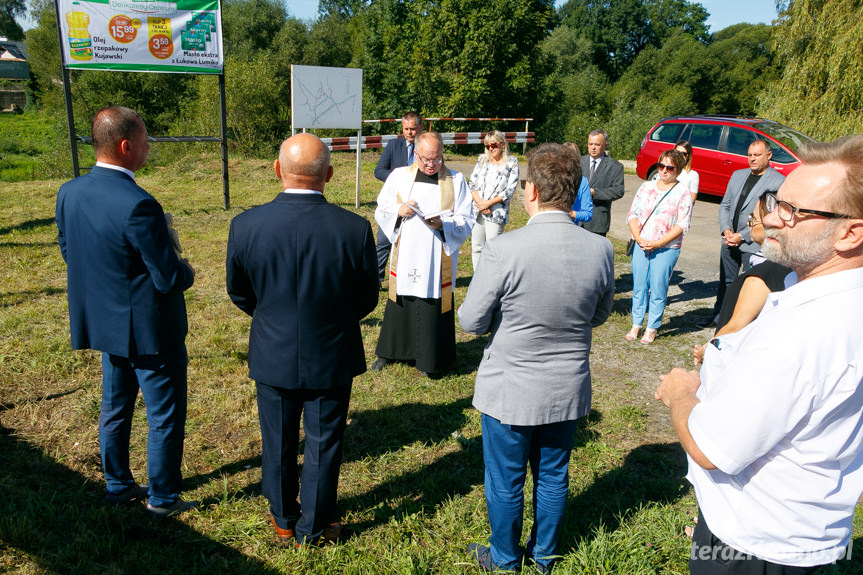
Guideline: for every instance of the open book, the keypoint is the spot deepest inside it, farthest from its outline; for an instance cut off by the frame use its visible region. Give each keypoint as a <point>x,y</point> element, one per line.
<point>429,216</point>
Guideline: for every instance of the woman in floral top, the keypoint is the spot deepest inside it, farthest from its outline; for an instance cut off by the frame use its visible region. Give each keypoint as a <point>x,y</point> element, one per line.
<point>658,219</point>
<point>492,184</point>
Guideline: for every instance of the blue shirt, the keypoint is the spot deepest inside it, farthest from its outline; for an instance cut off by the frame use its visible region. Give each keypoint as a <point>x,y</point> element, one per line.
<point>583,206</point>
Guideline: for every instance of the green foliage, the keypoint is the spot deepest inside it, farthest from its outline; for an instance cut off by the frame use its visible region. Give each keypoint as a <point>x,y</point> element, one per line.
<point>818,43</point>
<point>744,67</point>
<point>258,117</point>
<point>251,25</point>
<point>466,58</point>
<point>577,85</point>
<point>621,29</point>
<point>9,10</point>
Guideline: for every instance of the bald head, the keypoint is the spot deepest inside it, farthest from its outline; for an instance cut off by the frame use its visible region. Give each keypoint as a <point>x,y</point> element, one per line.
<point>304,163</point>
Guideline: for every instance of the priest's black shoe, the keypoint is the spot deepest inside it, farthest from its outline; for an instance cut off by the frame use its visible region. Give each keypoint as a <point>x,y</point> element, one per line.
<point>379,364</point>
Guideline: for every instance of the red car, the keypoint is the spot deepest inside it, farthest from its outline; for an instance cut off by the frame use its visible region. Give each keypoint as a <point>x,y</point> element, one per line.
<point>719,146</point>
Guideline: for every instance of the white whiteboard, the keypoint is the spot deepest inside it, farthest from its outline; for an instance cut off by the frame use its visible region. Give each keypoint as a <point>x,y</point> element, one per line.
<point>323,97</point>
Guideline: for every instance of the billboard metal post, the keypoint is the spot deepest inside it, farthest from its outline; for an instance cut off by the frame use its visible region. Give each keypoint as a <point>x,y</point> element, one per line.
<point>226,193</point>
<point>67,93</point>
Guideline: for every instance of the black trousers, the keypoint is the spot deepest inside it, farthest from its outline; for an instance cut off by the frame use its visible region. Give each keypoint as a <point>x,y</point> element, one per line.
<point>324,412</point>
<point>731,261</point>
<point>710,556</point>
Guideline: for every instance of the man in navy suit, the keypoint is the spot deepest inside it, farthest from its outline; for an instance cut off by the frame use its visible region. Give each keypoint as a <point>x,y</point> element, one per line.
<point>125,290</point>
<point>305,271</point>
<point>397,154</point>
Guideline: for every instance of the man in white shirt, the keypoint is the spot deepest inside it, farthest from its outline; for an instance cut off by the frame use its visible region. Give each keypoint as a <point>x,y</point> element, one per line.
<point>426,211</point>
<point>772,424</point>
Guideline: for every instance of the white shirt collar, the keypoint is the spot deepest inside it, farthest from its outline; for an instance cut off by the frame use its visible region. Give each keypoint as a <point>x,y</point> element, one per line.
<point>545,213</point>
<point>300,191</point>
<point>129,173</point>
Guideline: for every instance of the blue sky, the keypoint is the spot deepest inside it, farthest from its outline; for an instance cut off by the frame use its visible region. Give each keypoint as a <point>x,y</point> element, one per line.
<point>723,13</point>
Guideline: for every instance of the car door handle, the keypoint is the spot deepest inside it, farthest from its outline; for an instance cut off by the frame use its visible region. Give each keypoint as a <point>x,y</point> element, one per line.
<point>727,162</point>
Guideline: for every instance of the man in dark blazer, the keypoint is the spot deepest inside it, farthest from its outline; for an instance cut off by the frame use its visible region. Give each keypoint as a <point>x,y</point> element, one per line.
<point>397,154</point>
<point>605,176</point>
<point>539,290</point>
<point>305,271</point>
<point>744,188</point>
<point>125,290</point>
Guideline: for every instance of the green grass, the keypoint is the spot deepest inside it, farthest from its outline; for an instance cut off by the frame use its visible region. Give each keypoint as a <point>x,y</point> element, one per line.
<point>412,482</point>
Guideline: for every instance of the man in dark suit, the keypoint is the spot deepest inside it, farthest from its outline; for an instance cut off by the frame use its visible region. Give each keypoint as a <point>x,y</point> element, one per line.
<point>744,188</point>
<point>305,271</point>
<point>534,379</point>
<point>397,154</point>
<point>125,290</point>
<point>605,176</point>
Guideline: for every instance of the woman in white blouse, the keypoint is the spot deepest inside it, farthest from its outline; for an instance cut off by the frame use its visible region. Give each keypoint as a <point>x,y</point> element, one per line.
<point>688,177</point>
<point>492,184</point>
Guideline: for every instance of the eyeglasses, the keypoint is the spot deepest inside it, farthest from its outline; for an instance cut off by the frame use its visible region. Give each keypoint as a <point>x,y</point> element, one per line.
<point>492,146</point>
<point>670,168</point>
<point>752,222</point>
<point>787,211</point>
<point>430,161</point>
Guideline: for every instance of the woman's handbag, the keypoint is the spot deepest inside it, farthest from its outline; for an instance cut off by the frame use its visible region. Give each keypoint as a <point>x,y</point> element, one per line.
<point>630,246</point>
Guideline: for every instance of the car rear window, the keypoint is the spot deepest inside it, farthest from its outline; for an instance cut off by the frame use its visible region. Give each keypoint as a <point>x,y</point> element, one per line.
<point>705,136</point>
<point>667,133</point>
<point>738,141</point>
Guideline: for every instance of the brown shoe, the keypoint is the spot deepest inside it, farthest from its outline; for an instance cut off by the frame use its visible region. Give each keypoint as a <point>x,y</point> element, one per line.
<point>284,535</point>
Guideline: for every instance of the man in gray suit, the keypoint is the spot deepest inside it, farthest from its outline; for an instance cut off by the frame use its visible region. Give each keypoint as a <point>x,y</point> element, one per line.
<point>539,290</point>
<point>605,176</point>
<point>741,195</point>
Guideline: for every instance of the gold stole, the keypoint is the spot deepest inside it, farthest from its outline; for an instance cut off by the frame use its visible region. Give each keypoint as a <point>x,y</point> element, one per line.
<point>447,202</point>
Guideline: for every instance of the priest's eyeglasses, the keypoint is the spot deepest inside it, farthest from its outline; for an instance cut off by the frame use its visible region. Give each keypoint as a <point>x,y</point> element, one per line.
<point>430,161</point>
<point>786,211</point>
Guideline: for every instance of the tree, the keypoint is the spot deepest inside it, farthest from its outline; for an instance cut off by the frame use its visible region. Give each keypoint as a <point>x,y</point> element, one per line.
<point>457,57</point>
<point>673,80</point>
<point>576,88</point>
<point>744,68</point>
<point>621,29</point>
<point>250,25</point>
<point>818,43</point>
<point>9,10</point>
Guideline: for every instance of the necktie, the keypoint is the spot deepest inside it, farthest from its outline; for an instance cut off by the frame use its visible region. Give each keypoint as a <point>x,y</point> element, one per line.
<point>592,168</point>
<point>410,154</point>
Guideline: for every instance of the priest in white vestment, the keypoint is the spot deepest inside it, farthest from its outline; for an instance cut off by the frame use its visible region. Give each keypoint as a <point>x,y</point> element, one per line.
<point>426,212</point>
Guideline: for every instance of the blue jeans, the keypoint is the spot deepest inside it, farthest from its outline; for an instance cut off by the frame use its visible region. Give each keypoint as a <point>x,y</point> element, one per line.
<point>507,450</point>
<point>651,272</point>
<point>162,381</point>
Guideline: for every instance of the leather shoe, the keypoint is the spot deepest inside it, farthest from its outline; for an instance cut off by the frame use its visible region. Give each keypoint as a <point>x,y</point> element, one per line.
<point>333,533</point>
<point>132,493</point>
<point>705,323</point>
<point>482,554</point>
<point>379,364</point>
<point>284,535</point>
<point>179,506</point>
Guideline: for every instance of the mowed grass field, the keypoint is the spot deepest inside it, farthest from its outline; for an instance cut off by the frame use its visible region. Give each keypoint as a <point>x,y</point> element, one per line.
<point>411,485</point>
